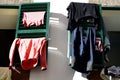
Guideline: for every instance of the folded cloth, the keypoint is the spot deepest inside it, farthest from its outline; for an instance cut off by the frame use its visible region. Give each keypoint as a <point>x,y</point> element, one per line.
<point>5,73</point>
<point>107,77</point>
<point>33,18</point>
<point>113,71</point>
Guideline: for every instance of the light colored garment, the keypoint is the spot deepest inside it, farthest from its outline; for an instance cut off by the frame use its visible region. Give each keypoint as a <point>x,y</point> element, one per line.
<point>29,50</point>
<point>5,73</point>
<point>33,18</point>
<point>106,77</point>
<point>79,76</point>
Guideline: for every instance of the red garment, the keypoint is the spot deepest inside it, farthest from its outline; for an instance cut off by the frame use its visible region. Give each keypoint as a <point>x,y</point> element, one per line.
<point>33,18</point>
<point>98,45</point>
<point>29,50</point>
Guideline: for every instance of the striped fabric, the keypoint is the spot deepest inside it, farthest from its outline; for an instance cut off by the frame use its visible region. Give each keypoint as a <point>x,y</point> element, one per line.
<point>29,50</point>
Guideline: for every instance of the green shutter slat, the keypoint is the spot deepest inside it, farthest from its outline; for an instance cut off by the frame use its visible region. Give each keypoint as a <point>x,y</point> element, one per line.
<point>33,31</point>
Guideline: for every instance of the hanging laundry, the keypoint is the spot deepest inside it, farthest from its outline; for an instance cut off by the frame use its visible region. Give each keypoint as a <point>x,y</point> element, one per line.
<point>78,12</point>
<point>83,49</point>
<point>99,46</point>
<point>33,18</point>
<point>89,38</point>
<point>79,76</point>
<point>29,51</point>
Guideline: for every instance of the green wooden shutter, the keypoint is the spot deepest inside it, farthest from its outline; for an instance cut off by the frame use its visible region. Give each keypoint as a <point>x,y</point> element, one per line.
<point>33,31</point>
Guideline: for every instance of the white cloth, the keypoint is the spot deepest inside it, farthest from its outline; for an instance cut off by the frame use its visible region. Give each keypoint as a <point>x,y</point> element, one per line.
<point>33,18</point>
<point>78,76</point>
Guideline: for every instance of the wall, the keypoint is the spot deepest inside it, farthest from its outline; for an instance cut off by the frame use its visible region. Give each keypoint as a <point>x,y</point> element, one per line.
<point>112,23</point>
<point>110,17</point>
<point>106,2</point>
<point>14,1</point>
<point>58,68</point>
<point>8,18</point>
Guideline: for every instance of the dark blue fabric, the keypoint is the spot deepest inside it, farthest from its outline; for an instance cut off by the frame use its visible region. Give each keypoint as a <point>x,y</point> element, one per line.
<point>83,48</point>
